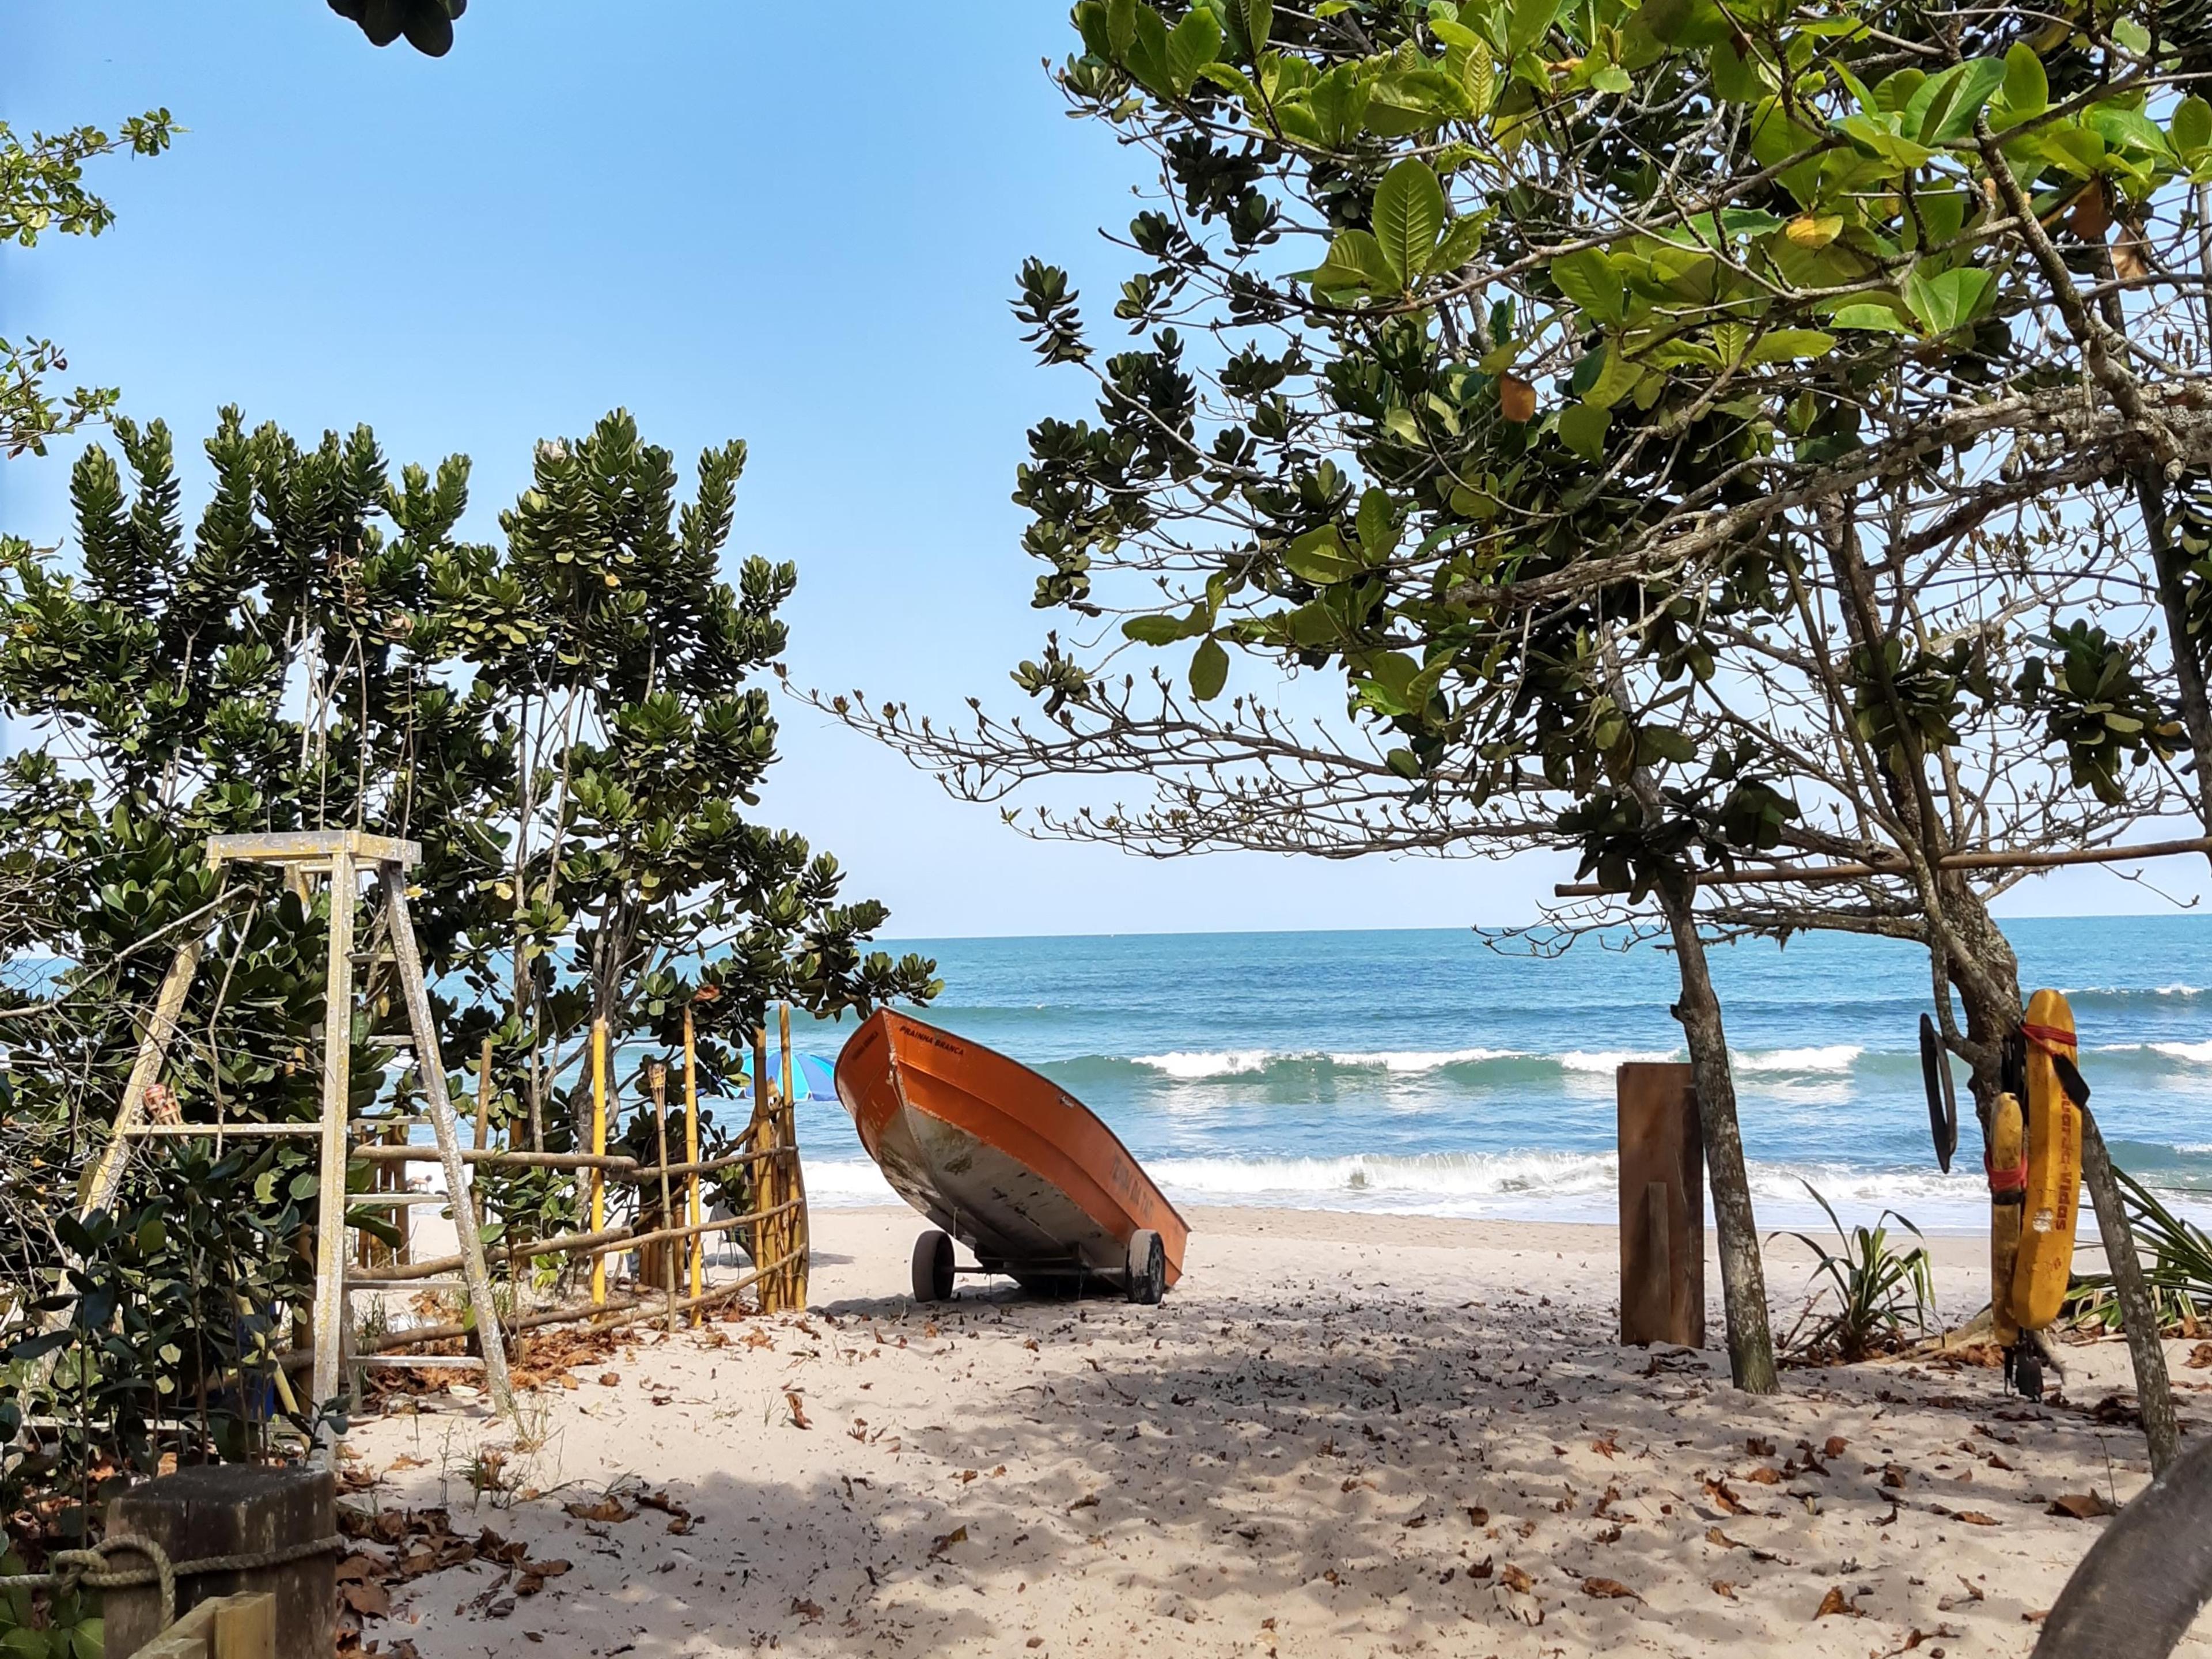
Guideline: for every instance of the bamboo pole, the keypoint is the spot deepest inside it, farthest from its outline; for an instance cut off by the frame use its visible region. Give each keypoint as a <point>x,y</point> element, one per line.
<point>622,1237</point>
<point>483,1120</point>
<point>657,1076</point>
<point>765,1183</point>
<point>698,1248</point>
<point>599,1150</point>
<point>798,1236</point>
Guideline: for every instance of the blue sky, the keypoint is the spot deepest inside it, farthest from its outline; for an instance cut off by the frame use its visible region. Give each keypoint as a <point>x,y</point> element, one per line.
<point>797,225</point>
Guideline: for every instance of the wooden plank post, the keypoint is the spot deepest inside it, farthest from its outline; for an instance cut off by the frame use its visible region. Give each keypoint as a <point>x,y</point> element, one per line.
<point>231,1509</point>
<point>795,1184</point>
<point>657,1079</point>
<point>1662,1206</point>
<point>767,1236</point>
<point>697,1243</point>
<point>106,1181</point>
<point>599,1150</point>
<point>332,1303</point>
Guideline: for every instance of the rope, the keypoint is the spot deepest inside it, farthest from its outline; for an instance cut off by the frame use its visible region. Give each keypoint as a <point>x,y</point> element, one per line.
<point>88,1568</point>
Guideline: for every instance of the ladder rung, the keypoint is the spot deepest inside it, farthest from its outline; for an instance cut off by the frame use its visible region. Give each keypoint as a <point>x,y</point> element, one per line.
<point>180,1129</point>
<point>404,1362</point>
<point>380,1200</point>
<point>360,1282</point>
<point>391,1039</point>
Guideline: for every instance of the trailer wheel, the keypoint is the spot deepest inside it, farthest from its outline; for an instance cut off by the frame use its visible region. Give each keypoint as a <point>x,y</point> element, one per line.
<point>1148,1267</point>
<point>933,1266</point>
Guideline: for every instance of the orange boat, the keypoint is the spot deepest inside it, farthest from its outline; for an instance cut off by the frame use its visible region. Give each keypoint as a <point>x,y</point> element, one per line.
<point>1008,1162</point>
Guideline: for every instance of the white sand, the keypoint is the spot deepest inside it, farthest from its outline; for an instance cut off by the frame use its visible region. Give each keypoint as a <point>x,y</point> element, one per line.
<point>1283,1458</point>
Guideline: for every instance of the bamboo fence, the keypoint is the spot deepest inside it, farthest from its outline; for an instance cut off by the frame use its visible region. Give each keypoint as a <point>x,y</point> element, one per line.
<point>774,1227</point>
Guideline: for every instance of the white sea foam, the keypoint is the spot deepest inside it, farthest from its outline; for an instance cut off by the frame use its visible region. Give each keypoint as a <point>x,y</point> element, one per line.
<point>1421,1060</point>
<point>1607,1060</point>
<point>1188,1066</point>
<point>2196,1053</point>
<point>1837,1057</point>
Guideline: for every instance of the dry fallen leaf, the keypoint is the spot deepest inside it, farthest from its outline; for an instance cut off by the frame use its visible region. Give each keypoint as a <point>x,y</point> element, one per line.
<point>1722,1499</point>
<point>1478,1516</point>
<point>1722,1586</point>
<point>1833,1603</point>
<point>1835,1446</point>
<point>370,1601</point>
<point>1481,1569</point>
<point>1975,1518</point>
<point>1514,1579</point>
<point>1609,1589</point>
<point>608,1379</point>
<point>1758,1447</point>
<point>957,1535</point>
<point>798,1411</point>
<point>1764,1476</point>
<point>2082,1506</point>
<point>809,1611</point>
<point>2200,1356</point>
<point>1608,1445</point>
<point>608,1508</point>
<point>1715,1536</point>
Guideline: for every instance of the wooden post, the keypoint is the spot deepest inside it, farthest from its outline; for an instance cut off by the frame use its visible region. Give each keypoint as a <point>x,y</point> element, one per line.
<point>231,1509</point>
<point>766,1181</point>
<point>1662,1206</point>
<point>332,1303</point>
<point>795,1186</point>
<point>599,1150</point>
<point>153,1047</point>
<point>657,1076</point>
<point>484,1118</point>
<point>697,1241</point>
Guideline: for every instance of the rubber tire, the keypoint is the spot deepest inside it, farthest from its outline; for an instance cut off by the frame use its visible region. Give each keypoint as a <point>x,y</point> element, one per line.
<point>1147,1276</point>
<point>933,1266</point>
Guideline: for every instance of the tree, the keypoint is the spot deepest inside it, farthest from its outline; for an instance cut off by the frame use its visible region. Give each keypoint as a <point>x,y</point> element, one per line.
<point>565,722</point>
<point>428,24</point>
<point>1765,262</point>
<point>41,191</point>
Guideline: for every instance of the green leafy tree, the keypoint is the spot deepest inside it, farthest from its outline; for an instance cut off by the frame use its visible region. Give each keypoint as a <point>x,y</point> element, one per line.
<point>564,722</point>
<point>1576,385</point>
<point>42,192</point>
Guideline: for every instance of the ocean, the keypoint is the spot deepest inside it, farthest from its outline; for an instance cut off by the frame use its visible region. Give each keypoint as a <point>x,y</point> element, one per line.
<point>1427,1073</point>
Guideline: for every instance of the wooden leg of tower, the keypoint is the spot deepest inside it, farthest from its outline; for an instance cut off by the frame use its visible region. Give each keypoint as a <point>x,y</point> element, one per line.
<point>331,1208</point>
<point>431,1066</point>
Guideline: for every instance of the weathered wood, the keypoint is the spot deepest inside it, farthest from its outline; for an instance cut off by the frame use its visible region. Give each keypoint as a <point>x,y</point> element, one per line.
<point>227,1627</point>
<point>1662,1205</point>
<point>697,1246</point>
<point>799,1238</point>
<point>329,1316</point>
<point>430,1068</point>
<point>599,1150</point>
<point>232,1509</point>
<point>317,846</point>
<point>152,1048</point>
<point>659,1078</point>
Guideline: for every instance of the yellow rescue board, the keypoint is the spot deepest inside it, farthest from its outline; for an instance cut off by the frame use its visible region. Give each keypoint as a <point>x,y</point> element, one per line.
<point>2007,1170</point>
<point>2045,1264</point>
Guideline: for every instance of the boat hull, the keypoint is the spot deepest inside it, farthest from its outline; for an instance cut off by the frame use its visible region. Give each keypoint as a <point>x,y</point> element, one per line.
<point>1003,1160</point>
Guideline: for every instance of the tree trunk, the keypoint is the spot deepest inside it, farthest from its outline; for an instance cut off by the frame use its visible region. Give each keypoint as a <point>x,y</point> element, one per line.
<point>2138,1318</point>
<point>1743,1274</point>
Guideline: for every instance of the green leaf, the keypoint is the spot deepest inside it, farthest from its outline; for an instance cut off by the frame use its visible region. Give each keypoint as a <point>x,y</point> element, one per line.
<point>1409,215</point>
<point>1736,80</point>
<point>1583,429</point>
<point>1258,24</point>
<point>1463,240</point>
<point>1378,525</point>
<point>1863,315</point>
<point>1613,79</point>
<point>1319,557</point>
<point>2191,127</point>
<point>1531,20</point>
<point>1209,669</point>
<point>1972,84</point>
<point>2027,88</point>
<point>1616,380</point>
<point>1686,22</point>
<point>1356,260</point>
<point>1588,278</point>
<point>1159,631</point>
<point>1782,344</point>
<point>1948,301</point>
<point>1195,42</point>
<point>1403,763</point>
<point>1658,742</point>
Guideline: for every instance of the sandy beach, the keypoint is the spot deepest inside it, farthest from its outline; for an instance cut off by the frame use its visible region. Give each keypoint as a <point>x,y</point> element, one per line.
<point>1341,1434</point>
